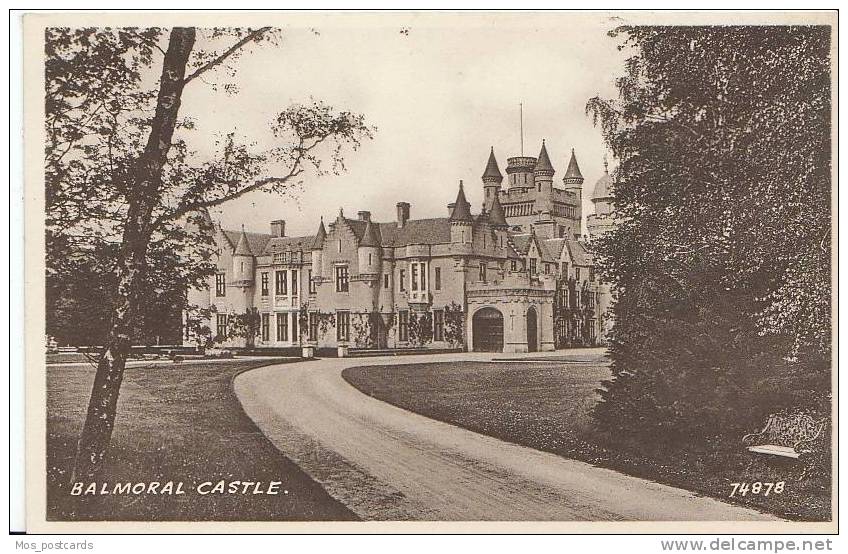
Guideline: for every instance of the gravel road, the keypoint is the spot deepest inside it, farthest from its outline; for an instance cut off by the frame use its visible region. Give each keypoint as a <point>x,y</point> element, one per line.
<point>386,463</point>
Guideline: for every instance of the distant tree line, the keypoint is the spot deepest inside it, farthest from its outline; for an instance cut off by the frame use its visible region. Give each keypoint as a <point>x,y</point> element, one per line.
<point>721,259</point>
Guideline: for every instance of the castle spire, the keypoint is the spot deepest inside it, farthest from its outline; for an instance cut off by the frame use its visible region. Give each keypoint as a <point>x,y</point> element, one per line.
<point>543,162</point>
<point>369,237</point>
<point>572,174</point>
<point>318,243</point>
<point>492,174</point>
<point>461,208</point>
<point>243,246</point>
<point>496,214</point>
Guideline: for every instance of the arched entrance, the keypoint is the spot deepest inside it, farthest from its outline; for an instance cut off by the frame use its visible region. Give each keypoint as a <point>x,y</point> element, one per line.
<point>532,334</point>
<point>487,331</point>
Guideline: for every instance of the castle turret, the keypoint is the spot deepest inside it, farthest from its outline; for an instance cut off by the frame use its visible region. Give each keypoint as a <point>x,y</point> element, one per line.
<point>492,180</point>
<point>602,220</point>
<point>573,179</point>
<point>461,221</point>
<point>369,251</point>
<point>243,261</point>
<point>318,250</point>
<point>520,172</point>
<point>543,177</point>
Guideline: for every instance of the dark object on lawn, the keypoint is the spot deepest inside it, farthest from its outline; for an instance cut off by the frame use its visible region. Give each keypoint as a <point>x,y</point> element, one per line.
<point>789,434</point>
<point>176,358</point>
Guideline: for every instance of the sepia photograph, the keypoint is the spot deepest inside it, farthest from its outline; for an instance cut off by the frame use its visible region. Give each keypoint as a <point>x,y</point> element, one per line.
<point>536,271</point>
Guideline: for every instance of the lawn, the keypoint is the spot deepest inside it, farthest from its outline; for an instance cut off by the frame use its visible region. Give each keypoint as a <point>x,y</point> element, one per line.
<point>547,406</point>
<point>176,422</point>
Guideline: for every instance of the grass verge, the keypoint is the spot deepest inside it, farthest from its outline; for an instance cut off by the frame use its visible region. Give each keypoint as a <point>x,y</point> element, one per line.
<point>547,406</point>
<point>179,422</point>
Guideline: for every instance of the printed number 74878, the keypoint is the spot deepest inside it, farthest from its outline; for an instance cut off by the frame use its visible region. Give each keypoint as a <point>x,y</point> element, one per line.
<point>742,489</point>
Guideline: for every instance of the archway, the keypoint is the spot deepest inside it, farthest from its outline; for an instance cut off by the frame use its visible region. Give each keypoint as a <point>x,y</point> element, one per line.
<point>532,334</point>
<point>487,331</point>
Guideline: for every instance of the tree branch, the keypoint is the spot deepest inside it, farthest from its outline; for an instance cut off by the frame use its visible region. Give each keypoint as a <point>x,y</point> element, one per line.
<point>226,54</point>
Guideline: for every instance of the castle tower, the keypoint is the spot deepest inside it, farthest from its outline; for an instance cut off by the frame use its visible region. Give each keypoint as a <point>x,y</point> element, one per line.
<point>602,221</point>
<point>543,177</point>
<point>243,261</point>
<point>461,222</point>
<point>520,172</point>
<point>492,180</point>
<point>573,183</point>
<point>318,250</point>
<point>369,251</point>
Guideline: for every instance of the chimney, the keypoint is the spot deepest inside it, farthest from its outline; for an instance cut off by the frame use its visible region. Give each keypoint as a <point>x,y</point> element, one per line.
<point>278,228</point>
<point>364,215</point>
<point>402,213</point>
<point>451,206</point>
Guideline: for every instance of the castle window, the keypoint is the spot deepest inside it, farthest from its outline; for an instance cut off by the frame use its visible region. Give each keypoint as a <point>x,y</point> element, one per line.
<point>438,277</point>
<point>282,327</point>
<point>340,246</point>
<point>311,282</point>
<point>592,274</point>
<point>342,326</point>
<point>547,269</point>
<point>264,284</point>
<point>221,324</point>
<point>313,326</point>
<point>438,325</point>
<point>281,283</point>
<point>386,281</point>
<point>369,260</point>
<point>402,279</point>
<point>403,325</point>
<point>414,277</point>
<point>513,265</point>
<point>294,282</point>
<point>220,285</point>
<point>265,325</point>
<point>295,332</point>
<point>577,274</point>
<point>482,271</point>
<point>533,266</point>
<point>342,279</point>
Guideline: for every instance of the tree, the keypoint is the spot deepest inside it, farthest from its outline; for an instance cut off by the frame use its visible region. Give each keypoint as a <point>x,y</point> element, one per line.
<point>721,257</point>
<point>119,170</point>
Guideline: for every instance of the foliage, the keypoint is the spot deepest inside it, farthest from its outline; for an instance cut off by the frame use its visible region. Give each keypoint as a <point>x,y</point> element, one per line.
<point>454,325</point>
<point>120,170</point>
<point>420,328</point>
<point>246,325</point>
<point>720,261</point>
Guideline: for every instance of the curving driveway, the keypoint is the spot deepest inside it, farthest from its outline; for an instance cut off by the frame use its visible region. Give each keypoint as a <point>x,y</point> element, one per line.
<point>386,463</point>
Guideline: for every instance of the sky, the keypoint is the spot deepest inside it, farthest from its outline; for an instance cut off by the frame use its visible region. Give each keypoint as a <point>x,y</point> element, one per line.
<point>440,89</point>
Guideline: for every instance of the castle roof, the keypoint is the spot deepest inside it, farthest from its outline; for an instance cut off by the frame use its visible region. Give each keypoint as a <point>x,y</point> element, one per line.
<point>461,209</point>
<point>253,242</point>
<point>492,171</point>
<point>573,171</point>
<point>543,162</point>
<point>369,236</point>
<point>281,244</point>
<point>496,213</point>
<point>318,241</point>
<point>602,187</point>
<point>578,253</point>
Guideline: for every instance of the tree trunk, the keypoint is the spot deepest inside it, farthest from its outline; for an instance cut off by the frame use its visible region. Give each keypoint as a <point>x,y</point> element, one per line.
<point>143,196</point>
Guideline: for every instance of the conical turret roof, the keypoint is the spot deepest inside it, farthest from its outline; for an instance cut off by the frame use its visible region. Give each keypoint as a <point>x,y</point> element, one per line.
<point>318,243</point>
<point>369,236</point>
<point>543,162</point>
<point>573,171</point>
<point>243,246</point>
<point>492,172</point>
<point>461,208</point>
<point>496,214</point>
<point>602,186</point>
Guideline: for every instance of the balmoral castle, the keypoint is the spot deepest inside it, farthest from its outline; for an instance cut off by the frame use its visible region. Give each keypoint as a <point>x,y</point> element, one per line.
<point>514,277</point>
